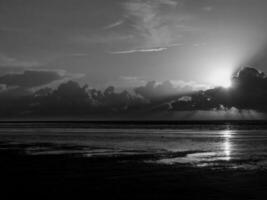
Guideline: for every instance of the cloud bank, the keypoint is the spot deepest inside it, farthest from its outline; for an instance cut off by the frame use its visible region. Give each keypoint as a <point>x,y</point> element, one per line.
<point>161,100</point>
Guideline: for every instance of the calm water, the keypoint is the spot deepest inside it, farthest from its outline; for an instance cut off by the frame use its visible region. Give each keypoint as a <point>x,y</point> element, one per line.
<point>201,147</point>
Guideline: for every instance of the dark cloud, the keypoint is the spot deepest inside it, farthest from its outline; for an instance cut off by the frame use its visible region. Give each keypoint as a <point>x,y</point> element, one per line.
<point>249,91</point>
<point>30,78</point>
<point>246,98</point>
<point>156,91</point>
<point>70,98</point>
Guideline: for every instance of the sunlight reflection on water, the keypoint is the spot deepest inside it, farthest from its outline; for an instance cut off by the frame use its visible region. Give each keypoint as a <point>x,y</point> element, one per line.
<point>222,153</point>
<point>227,145</point>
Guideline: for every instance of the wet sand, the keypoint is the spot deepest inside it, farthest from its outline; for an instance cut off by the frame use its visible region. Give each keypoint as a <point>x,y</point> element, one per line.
<point>74,175</point>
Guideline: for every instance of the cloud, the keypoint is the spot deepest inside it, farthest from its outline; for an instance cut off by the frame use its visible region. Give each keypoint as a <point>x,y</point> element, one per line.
<point>7,61</point>
<point>189,85</point>
<point>229,114</point>
<point>150,50</point>
<point>71,98</point>
<point>185,98</point>
<point>65,77</point>
<point>144,26</point>
<point>114,25</point>
<point>153,25</point>
<point>248,92</point>
<point>160,90</point>
<point>164,100</point>
<point>126,82</point>
<point>30,78</point>
<point>133,79</point>
<point>138,51</point>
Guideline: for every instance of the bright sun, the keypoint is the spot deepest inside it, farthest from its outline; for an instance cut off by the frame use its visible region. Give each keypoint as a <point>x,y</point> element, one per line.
<point>221,78</point>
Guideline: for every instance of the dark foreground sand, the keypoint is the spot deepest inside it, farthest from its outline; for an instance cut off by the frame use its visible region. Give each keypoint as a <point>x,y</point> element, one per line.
<point>125,177</point>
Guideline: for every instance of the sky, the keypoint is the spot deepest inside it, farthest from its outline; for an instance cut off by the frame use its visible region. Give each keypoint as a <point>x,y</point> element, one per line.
<point>128,42</point>
<point>150,59</point>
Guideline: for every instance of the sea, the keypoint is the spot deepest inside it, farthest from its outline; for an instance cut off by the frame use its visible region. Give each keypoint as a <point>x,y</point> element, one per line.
<point>235,145</point>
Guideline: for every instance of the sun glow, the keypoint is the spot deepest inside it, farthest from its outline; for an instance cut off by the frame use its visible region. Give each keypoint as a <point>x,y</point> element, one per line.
<point>221,78</point>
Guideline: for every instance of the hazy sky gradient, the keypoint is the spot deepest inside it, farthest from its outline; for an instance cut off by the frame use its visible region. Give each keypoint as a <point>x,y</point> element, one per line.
<point>124,42</point>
